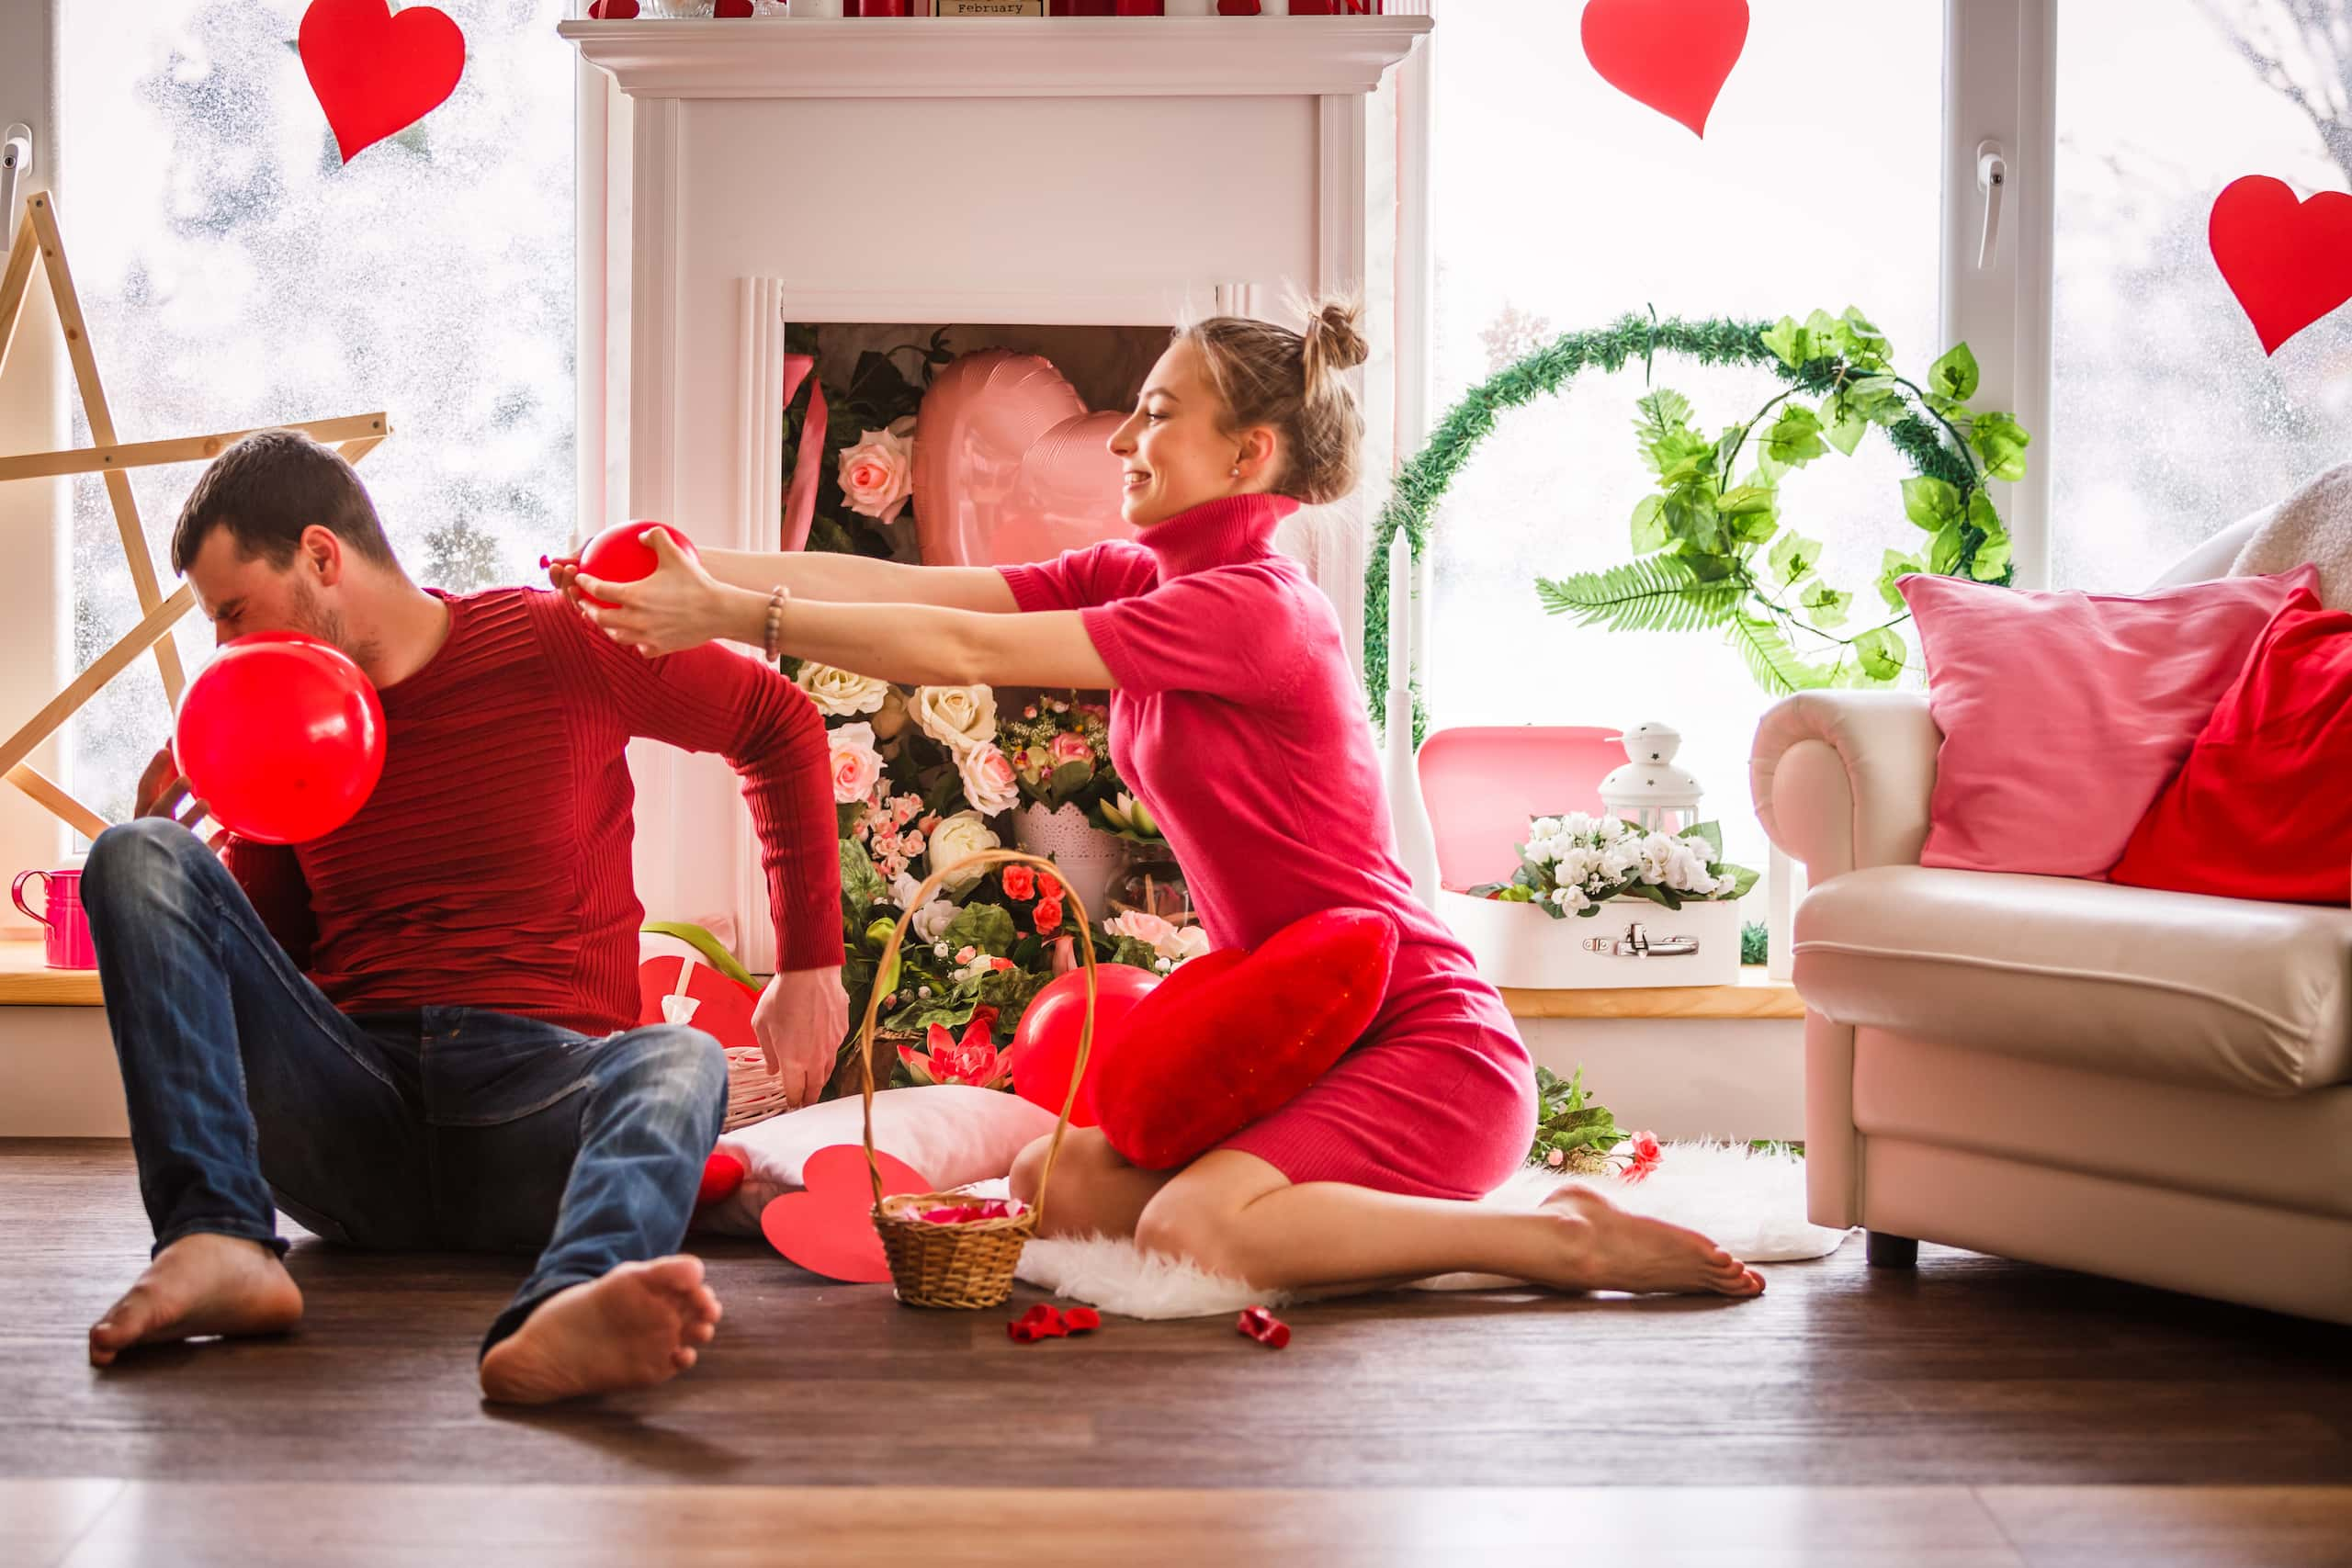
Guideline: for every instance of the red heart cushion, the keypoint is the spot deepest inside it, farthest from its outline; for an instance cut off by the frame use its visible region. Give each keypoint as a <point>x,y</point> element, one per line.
<point>2251,814</point>
<point>722,1007</point>
<point>829,1229</point>
<point>1234,1035</point>
<point>377,73</point>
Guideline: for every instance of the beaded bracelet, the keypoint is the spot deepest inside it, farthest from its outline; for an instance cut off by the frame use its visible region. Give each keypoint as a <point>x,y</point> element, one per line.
<point>775,622</point>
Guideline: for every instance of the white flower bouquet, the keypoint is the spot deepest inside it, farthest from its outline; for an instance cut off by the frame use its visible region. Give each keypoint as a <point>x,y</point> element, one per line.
<point>1571,865</point>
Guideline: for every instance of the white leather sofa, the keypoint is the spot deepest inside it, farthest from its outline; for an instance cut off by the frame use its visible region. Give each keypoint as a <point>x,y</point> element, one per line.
<point>2151,1085</point>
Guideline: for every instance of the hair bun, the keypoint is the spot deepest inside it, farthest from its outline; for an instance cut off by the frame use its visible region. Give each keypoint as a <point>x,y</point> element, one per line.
<point>1332,342</point>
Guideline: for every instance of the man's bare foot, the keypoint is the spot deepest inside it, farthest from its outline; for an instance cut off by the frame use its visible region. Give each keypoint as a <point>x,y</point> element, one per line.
<point>1604,1248</point>
<point>641,1324</point>
<point>199,1285</point>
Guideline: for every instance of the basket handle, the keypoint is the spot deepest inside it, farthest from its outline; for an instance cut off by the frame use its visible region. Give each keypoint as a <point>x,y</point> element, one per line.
<point>890,960</point>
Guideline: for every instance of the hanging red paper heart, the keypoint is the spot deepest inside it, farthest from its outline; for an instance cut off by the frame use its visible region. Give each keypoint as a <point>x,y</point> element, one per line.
<point>829,1229</point>
<point>1673,55</point>
<point>1233,1035</point>
<point>377,73</point>
<point>2289,263</point>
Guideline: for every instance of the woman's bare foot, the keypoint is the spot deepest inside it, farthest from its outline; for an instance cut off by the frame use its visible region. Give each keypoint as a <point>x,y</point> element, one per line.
<point>1604,1248</point>
<point>199,1285</point>
<point>640,1325</point>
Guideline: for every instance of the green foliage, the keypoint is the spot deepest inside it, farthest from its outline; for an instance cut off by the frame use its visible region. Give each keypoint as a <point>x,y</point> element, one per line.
<point>1755,942</point>
<point>1567,1120</point>
<point>862,885</point>
<point>1697,534</point>
<point>1656,594</point>
<point>986,927</point>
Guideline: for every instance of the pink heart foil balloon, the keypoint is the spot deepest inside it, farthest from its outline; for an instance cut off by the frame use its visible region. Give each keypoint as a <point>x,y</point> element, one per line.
<point>1009,466</point>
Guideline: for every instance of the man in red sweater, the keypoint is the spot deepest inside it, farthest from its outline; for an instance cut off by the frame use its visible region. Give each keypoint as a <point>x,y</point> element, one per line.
<point>415,1033</point>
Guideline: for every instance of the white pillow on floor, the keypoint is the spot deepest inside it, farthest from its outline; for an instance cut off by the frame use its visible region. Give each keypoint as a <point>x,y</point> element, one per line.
<point>953,1133</point>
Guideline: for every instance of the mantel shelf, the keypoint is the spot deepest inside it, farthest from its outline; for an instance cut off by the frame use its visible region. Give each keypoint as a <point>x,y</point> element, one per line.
<point>1055,57</point>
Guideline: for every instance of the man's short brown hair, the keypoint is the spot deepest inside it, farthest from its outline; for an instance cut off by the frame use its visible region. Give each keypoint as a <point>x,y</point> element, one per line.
<point>266,489</point>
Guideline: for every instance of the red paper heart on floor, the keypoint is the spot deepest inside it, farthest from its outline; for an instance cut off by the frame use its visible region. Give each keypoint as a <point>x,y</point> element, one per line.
<point>613,10</point>
<point>1673,55</point>
<point>2289,263</point>
<point>377,73</point>
<point>1234,1035</point>
<point>829,1229</point>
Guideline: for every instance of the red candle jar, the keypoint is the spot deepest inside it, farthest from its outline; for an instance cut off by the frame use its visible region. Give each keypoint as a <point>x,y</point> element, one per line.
<point>1083,8</point>
<point>877,7</point>
<point>1140,8</point>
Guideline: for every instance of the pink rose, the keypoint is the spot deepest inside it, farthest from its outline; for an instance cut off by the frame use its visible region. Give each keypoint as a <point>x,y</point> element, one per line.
<point>1141,926</point>
<point>877,474</point>
<point>989,783</point>
<point>1069,747</point>
<point>857,766</point>
<point>1642,1151</point>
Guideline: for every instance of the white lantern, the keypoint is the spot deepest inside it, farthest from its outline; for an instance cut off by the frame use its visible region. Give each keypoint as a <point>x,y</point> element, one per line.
<point>1649,790</point>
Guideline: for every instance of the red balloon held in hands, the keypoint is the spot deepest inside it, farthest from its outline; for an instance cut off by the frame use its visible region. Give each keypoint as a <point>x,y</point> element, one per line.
<point>620,554</point>
<point>1044,1046</point>
<point>281,736</point>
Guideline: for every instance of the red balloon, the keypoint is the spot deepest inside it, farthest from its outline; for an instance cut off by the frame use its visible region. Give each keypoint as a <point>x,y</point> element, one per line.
<point>1045,1044</point>
<point>281,736</point>
<point>619,554</point>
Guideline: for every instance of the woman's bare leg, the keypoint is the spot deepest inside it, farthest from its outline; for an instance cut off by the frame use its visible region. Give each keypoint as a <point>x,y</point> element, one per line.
<point>1093,1191</point>
<point>1235,1214</point>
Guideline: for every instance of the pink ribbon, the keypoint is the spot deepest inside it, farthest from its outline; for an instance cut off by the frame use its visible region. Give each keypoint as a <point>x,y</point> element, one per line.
<point>800,500</point>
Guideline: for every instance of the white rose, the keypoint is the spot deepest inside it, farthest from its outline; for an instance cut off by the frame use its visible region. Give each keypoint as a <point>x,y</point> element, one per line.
<point>933,919</point>
<point>838,693</point>
<point>903,889</point>
<point>1577,862</point>
<point>855,765</point>
<point>1543,828</point>
<point>957,839</point>
<point>877,474</point>
<point>958,717</point>
<point>1620,857</point>
<point>989,783</point>
<point>1185,944</point>
<point>1573,900</point>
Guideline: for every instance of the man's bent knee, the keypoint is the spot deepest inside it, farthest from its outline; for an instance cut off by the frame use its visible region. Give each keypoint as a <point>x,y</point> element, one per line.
<point>674,1066</point>
<point>138,859</point>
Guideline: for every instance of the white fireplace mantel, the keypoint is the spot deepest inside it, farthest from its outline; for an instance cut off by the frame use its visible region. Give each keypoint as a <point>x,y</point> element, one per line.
<point>1060,57</point>
<point>739,176</point>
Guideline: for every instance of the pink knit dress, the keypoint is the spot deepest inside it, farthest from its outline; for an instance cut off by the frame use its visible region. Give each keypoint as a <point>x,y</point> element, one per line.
<point>1237,718</point>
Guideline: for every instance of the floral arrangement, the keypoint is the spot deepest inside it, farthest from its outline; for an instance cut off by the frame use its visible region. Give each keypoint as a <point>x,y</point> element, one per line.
<point>1575,1134</point>
<point>1150,941</point>
<point>866,478</point>
<point>1060,749</point>
<point>1571,865</point>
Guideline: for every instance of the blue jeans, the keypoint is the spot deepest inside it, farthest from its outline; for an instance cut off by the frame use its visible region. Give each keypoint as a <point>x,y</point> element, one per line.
<point>445,1129</point>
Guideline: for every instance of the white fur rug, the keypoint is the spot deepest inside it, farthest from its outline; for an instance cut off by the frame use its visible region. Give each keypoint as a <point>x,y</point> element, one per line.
<point>1752,1204</point>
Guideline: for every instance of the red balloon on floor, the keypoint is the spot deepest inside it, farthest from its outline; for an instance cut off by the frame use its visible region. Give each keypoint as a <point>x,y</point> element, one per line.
<point>619,554</point>
<point>281,736</point>
<point>1045,1044</point>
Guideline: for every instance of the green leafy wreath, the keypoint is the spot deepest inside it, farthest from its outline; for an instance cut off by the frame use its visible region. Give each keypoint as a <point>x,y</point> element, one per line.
<point>1697,535</point>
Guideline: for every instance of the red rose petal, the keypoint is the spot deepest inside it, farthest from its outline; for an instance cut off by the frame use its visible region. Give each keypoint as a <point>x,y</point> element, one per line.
<point>1083,1319</point>
<point>1263,1327</point>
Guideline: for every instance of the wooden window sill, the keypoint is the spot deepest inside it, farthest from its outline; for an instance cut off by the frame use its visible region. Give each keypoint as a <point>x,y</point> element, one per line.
<point>25,982</point>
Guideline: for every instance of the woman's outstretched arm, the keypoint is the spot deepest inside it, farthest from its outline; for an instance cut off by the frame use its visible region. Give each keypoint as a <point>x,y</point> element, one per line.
<point>843,578</point>
<point>682,605</point>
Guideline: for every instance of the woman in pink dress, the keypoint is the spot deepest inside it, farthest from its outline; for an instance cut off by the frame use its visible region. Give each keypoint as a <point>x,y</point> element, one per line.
<point>1237,718</point>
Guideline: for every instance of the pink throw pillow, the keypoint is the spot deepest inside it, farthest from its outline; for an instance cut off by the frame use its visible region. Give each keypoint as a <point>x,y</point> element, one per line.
<point>2064,715</point>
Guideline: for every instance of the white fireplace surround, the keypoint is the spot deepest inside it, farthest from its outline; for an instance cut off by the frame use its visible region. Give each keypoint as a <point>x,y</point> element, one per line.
<point>739,176</point>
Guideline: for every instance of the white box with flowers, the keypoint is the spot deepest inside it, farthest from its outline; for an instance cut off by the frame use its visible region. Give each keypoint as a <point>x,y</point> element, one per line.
<point>1603,902</point>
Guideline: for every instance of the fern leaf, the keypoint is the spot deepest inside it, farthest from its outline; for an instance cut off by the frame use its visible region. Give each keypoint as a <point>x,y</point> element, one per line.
<point>1771,660</point>
<point>1655,593</point>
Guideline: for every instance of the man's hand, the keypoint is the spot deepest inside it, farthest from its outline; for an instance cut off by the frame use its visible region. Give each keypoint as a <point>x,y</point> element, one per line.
<point>800,1019</point>
<point>162,792</point>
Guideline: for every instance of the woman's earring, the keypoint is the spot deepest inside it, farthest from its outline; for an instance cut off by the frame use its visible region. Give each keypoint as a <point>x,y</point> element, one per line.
<point>1237,470</point>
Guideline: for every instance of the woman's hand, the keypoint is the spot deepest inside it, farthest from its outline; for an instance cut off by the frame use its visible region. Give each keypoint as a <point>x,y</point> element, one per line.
<point>680,606</point>
<point>562,572</point>
<point>801,1020</point>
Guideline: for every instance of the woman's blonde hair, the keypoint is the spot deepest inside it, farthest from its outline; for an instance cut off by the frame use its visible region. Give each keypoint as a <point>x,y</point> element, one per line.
<point>1294,383</point>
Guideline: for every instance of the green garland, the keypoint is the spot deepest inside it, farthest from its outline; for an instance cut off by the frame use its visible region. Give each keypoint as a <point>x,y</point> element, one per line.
<point>1699,531</point>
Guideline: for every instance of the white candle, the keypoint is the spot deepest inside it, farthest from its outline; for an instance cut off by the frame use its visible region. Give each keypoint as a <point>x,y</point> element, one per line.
<point>1400,611</point>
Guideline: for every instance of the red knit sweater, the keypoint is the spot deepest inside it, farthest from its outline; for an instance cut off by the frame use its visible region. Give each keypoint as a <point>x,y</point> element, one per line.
<point>490,868</point>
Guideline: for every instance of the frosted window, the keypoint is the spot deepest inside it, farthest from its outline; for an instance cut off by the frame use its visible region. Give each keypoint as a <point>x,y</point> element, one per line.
<point>2167,421</point>
<point>1560,204</point>
<point>236,272</point>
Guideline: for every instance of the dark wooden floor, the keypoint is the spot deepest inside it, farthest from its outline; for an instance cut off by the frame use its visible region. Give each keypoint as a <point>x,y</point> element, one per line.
<point>1971,1372</point>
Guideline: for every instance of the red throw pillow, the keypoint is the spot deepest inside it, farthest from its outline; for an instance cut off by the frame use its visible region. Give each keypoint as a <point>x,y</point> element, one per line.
<point>1234,1035</point>
<point>2261,808</point>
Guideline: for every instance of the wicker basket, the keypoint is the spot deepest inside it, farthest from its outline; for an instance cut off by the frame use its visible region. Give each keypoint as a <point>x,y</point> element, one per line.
<point>967,1264</point>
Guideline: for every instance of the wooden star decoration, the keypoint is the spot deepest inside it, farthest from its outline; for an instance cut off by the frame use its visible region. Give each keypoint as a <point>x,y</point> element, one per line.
<point>354,436</point>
